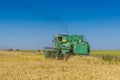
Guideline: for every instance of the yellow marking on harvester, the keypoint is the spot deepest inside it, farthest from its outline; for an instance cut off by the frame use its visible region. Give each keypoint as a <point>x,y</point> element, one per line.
<point>64,40</point>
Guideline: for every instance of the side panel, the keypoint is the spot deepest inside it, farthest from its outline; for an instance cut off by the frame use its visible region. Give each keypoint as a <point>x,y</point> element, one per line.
<point>81,48</point>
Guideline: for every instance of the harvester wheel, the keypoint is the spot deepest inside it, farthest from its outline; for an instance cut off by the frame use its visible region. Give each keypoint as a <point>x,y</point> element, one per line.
<point>66,56</point>
<point>60,56</point>
<point>53,55</point>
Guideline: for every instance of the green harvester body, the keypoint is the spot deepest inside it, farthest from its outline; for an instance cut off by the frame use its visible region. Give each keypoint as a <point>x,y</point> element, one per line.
<point>66,45</point>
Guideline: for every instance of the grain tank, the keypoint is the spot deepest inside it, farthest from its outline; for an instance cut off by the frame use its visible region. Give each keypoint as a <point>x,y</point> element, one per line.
<point>67,45</point>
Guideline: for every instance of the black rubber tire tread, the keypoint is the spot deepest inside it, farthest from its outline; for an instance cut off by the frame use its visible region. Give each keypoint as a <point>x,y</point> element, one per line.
<point>66,56</point>
<point>60,56</point>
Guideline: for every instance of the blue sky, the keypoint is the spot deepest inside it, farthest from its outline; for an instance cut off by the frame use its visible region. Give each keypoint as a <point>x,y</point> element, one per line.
<point>31,24</point>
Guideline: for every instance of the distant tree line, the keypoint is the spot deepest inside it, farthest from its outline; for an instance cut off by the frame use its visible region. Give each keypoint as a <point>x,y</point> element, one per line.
<point>18,50</point>
<point>8,49</point>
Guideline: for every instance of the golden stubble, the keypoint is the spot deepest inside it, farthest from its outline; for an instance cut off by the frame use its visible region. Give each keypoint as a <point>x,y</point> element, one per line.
<point>29,66</point>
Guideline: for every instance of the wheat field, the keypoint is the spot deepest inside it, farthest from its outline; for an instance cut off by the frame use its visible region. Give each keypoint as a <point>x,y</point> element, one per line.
<point>17,65</point>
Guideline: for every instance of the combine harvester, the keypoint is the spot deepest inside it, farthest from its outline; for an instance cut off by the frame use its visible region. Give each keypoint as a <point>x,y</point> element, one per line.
<point>67,45</point>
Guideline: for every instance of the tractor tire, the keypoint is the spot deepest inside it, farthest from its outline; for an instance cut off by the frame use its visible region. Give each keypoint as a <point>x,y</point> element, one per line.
<point>66,56</point>
<point>61,56</point>
<point>53,55</point>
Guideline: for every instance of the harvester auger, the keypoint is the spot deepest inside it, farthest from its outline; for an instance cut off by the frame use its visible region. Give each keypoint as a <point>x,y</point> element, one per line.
<point>67,45</point>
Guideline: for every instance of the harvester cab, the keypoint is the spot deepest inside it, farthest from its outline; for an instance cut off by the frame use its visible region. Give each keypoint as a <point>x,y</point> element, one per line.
<point>66,45</point>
